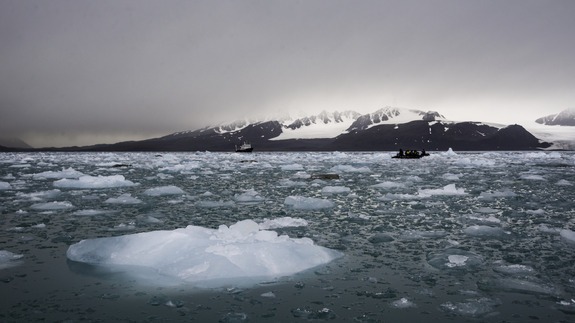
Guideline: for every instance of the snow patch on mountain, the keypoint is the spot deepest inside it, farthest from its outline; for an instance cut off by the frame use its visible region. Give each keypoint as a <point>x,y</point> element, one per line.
<point>390,115</point>
<point>323,125</point>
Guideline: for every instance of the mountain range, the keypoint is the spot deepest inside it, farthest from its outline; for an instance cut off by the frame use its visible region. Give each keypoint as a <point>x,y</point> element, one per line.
<point>387,129</point>
<point>563,118</point>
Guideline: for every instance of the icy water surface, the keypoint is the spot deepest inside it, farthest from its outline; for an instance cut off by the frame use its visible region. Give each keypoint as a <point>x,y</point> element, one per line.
<point>448,238</point>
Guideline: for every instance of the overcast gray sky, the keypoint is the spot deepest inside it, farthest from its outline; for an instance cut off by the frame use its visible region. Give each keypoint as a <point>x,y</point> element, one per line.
<point>76,72</point>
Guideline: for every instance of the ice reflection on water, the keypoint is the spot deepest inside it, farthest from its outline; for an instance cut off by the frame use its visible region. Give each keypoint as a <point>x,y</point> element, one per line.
<point>447,238</point>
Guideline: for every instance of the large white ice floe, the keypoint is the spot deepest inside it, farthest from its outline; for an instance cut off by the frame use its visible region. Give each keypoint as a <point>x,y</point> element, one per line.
<point>568,236</point>
<point>206,257</point>
<point>90,182</point>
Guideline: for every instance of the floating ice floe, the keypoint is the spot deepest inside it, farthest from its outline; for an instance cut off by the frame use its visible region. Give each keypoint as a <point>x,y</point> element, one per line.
<point>563,182</point>
<point>5,186</point>
<point>532,177</point>
<point>514,269</point>
<point>90,212</point>
<point>328,190</point>
<point>125,198</point>
<point>38,196</point>
<point>203,256</point>
<point>349,169</point>
<point>388,185</point>
<point>403,303</point>
<point>453,259</point>
<point>446,190</point>
<point>307,203</point>
<point>283,223</point>
<point>249,197</point>
<point>568,235</point>
<point>9,259</point>
<point>52,206</point>
<point>64,173</point>
<point>92,182</point>
<point>164,190</point>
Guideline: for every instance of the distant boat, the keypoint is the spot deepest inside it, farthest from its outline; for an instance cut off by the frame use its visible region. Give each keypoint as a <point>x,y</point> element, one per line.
<point>244,148</point>
<point>410,154</point>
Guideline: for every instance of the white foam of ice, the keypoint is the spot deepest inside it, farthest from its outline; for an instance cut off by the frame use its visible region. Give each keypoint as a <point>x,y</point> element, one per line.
<point>164,190</point>
<point>94,182</point>
<point>308,203</point>
<point>206,257</point>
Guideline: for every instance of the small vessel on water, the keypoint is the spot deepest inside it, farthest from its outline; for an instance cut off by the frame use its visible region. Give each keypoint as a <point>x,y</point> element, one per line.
<point>410,154</point>
<point>244,148</point>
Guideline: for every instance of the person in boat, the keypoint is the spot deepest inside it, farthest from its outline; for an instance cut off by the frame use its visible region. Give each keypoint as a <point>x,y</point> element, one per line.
<point>400,153</point>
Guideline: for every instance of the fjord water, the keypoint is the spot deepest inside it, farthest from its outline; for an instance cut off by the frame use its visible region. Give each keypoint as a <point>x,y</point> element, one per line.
<point>454,237</point>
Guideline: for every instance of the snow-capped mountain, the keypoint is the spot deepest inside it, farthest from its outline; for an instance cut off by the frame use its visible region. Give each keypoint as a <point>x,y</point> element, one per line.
<point>563,118</point>
<point>332,124</point>
<point>387,129</point>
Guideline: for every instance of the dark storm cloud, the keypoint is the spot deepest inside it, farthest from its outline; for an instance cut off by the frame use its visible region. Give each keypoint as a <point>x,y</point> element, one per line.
<point>128,69</point>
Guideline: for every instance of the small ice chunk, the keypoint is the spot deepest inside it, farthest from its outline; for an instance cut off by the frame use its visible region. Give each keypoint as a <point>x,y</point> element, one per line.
<point>164,190</point>
<point>268,295</point>
<point>249,196</point>
<point>307,203</point>
<point>446,190</point>
<point>89,212</point>
<point>456,260</point>
<point>349,169</point>
<point>5,186</point>
<point>403,303</point>
<point>64,173</point>
<point>9,259</point>
<point>94,182</point>
<point>388,185</point>
<point>282,223</point>
<point>53,206</point>
<point>125,198</point>
<point>568,235</point>
<point>328,190</point>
